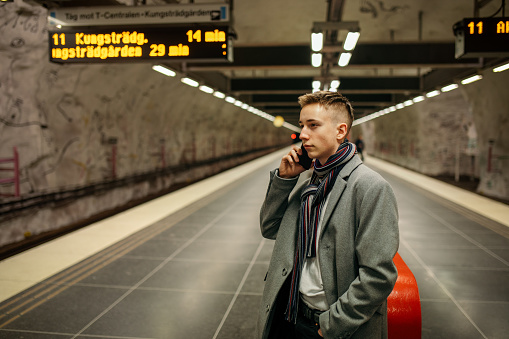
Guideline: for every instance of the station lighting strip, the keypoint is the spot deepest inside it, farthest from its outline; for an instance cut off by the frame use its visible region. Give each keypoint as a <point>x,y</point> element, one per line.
<point>220,95</point>
<point>348,46</point>
<point>431,94</point>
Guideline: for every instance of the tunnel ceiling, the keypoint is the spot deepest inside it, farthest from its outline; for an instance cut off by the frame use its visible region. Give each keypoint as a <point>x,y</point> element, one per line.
<point>406,48</point>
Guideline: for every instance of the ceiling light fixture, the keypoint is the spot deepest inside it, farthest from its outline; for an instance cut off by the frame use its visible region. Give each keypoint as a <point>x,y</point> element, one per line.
<point>334,84</point>
<point>344,59</point>
<point>316,42</point>
<point>432,94</point>
<point>418,99</point>
<point>164,70</point>
<point>219,95</point>
<point>351,40</point>
<point>316,59</point>
<point>471,79</point>
<point>501,68</point>
<point>190,82</point>
<point>206,89</point>
<point>449,87</point>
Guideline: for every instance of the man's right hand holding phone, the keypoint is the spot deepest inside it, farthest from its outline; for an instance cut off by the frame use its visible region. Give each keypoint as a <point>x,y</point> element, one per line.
<point>290,167</point>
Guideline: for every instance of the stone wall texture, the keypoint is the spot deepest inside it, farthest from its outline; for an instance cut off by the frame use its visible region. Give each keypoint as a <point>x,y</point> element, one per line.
<point>79,125</point>
<point>463,132</point>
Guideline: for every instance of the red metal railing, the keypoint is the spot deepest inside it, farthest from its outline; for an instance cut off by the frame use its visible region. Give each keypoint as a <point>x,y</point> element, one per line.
<point>15,169</point>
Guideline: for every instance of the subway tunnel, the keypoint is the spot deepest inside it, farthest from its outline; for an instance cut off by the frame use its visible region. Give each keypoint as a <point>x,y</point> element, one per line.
<point>123,188</point>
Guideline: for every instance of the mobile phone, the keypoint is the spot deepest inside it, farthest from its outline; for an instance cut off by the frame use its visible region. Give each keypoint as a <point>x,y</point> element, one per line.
<point>304,159</point>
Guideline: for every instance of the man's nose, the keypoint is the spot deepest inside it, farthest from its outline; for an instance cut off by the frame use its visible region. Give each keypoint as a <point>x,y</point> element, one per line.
<point>303,135</point>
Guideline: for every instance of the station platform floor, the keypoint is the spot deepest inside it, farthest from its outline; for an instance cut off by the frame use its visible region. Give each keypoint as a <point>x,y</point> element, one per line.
<point>191,264</point>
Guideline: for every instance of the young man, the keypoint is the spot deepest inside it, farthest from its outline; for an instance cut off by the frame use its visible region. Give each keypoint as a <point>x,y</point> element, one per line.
<point>331,269</point>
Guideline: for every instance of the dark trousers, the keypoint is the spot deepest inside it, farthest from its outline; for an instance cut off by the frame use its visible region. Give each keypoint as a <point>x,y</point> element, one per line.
<point>282,329</point>
<point>306,329</point>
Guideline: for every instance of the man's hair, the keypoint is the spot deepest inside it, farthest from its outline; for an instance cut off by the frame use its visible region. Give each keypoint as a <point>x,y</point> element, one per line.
<point>331,101</point>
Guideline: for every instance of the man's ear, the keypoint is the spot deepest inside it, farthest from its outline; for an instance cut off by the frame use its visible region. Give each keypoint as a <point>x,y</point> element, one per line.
<point>342,131</point>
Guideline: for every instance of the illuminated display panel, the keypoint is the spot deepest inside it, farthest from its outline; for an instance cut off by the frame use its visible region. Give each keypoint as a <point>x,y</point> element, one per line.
<point>482,37</point>
<point>113,44</point>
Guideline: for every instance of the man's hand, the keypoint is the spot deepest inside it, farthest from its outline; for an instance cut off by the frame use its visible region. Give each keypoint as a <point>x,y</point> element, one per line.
<point>289,167</point>
<point>320,332</point>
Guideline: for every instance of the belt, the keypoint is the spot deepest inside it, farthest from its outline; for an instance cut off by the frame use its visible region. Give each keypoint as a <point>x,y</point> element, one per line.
<point>309,313</point>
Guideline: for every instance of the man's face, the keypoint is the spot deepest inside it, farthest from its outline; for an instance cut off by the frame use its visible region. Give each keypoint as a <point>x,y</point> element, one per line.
<point>320,135</point>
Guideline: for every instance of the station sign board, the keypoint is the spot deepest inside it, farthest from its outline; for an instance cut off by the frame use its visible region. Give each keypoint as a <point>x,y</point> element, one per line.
<point>482,37</point>
<point>208,43</point>
<point>139,15</point>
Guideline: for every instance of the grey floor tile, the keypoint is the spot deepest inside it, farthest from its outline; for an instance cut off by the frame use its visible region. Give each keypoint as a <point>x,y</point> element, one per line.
<point>255,280</point>
<point>459,258</point>
<point>69,311</point>
<point>266,252</point>
<point>164,315</point>
<point>428,286</point>
<point>199,276</point>
<point>182,230</point>
<point>29,335</point>
<point>489,239</point>
<point>435,240</point>
<point>231,251</point>
<point>241,322</point>
<point>480,285</point>
<point>157,248</point>
<point>501,252</point>
<point>443,320</point>
<point>122,272</point>
<point>235,233</point>
<point>488,317</point>
<point>408,257</point>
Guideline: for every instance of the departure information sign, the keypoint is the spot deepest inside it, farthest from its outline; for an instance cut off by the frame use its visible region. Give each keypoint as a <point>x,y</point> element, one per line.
<point>191,43</point>
<point>482,37</point>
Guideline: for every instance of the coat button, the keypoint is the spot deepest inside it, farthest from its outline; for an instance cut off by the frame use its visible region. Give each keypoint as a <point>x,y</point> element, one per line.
<point>267,308</point>
<point>284,272</point>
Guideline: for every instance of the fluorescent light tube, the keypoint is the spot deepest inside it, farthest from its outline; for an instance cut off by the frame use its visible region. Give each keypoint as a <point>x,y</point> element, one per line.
<point>190,82</point>
<point>164,70</point>
<point>351,40</point>
<point>316,42</point>
<point>230,100</point>
<point>316,59</point>
<point>471,79</point>
<point>432,94</point>
<point>219,95</point>
<point>334,84</point>
<point>449,87</point>
<point>206,89</point>
<point>344,59</point>
<point>501,68</point>
<point>418,99</point>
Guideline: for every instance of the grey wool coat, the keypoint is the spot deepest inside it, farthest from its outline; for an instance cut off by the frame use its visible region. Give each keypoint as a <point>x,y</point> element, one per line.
<point>358,241</point>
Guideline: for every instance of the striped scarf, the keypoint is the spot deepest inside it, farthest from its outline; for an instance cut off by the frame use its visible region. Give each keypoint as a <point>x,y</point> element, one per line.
<point>313,198</point>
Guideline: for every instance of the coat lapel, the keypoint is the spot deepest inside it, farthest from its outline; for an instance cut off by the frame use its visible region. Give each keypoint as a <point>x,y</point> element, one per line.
<point>337,190</point>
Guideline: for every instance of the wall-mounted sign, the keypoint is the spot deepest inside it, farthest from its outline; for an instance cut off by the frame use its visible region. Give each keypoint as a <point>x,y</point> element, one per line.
<point>191,43</point>
<point>482,37</point>
<point>139,15</point>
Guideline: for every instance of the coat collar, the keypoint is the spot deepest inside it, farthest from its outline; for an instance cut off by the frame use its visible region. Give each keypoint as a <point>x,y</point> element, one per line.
<point>339,187</point>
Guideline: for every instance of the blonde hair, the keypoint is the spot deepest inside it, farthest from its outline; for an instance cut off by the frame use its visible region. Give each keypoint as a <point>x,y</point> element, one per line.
<point>334,102</point>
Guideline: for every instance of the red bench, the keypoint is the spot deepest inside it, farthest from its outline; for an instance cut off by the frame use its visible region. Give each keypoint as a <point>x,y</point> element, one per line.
<point>404,305</point>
